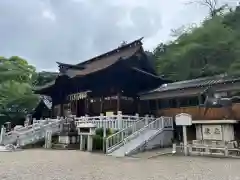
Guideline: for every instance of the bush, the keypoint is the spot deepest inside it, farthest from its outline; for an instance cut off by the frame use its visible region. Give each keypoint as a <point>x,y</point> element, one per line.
<point>98,138</point>
<point>97,142</point>
<point>99,132</point>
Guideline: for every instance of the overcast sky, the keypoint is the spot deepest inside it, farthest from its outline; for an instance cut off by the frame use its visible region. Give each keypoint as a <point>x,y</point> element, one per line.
<point>71,31</point>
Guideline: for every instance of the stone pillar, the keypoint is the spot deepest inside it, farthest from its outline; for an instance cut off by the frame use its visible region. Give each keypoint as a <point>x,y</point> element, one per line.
<point>89,143</point>
<point>174,146</point>
<point>34,121</point>
<point>81,143</point>
<point>3,130</point>
<point>146,119</point>
<point>119,118</point>
<point>134,128</point>
<point>27,121</point>
<point>48,139</point>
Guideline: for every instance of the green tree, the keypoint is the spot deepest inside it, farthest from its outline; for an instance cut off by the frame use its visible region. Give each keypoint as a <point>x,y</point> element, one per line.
<point>16,80</point>
<point>212,48</point>
<point>45,77</point>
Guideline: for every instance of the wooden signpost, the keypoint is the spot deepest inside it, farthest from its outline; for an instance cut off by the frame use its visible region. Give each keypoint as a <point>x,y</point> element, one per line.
<point>184,120</point>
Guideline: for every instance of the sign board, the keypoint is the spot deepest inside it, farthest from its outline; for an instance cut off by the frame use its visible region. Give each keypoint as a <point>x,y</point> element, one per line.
<point>183,119</point>
<point>109,113</point>
<point>212,132</point>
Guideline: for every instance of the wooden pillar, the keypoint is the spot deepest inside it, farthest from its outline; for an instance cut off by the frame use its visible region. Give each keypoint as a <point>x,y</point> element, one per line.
<point>119,101</point>
<point>156,113</point>
<point>199,99</point>
<point>52,110</point>
<point>139,106</point>
<point>178,103</point>
<point>76,108</point>
<point>86,105</point>
<point>136,105</point>
<point>148,107</point>
<point>101,104</point>
<point>61,109</point>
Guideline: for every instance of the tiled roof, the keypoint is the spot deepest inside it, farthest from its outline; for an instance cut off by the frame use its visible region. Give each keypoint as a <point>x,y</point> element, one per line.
<point>104,62</point>
<point>194,83</point>
<point>101,62</point>
<point>47,101</point>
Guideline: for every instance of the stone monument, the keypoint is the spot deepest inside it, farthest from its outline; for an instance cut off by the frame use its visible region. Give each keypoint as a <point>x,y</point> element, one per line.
<point>68,135</point>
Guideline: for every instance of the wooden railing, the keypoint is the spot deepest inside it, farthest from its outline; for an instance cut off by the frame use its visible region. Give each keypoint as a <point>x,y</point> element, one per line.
<point>198,113</point>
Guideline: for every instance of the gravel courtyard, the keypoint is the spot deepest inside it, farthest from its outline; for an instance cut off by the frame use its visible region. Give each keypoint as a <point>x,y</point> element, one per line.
<point>76,165</point>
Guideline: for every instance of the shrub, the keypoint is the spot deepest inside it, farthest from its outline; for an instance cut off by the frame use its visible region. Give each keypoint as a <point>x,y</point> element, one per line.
<point>99,132</point>
<point>97,142</point>
<point>98,138</point>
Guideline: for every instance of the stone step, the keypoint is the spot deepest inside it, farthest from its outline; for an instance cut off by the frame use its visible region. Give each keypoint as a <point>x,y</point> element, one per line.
<point>65,146</point>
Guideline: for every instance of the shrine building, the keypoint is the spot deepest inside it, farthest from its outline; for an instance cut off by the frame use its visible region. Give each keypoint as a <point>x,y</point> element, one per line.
<point>109,82</point>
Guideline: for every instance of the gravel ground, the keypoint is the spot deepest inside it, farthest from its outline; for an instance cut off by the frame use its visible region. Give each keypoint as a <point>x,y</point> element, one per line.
<point>75,165</point>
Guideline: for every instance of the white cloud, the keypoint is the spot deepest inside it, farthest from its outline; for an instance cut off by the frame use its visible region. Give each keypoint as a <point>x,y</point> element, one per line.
<point>49,15</point>
<point>70,31</point>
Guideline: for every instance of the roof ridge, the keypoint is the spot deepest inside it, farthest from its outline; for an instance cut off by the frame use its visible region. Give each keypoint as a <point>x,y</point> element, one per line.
<point>138,41</point>
<point>112,51</point>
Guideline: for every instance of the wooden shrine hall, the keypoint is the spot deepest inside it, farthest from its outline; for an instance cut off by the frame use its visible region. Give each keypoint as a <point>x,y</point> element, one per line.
<point>110,82</point>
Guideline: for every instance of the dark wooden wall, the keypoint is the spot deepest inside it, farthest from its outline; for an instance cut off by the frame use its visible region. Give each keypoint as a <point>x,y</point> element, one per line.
<point>197,113</point>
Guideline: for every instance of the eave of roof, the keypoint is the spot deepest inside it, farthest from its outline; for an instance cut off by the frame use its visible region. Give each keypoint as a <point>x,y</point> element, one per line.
<point>45,86</point>
<point>147,73</point>
<point>194,83</point>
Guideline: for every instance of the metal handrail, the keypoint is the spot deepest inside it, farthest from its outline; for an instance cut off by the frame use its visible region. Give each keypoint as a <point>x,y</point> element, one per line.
<point>150,125</point>
<point>115,140</point>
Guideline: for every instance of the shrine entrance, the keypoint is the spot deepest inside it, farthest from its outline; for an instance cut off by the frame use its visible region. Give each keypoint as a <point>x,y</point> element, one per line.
<point>78,103</point>
<point>81,108</point>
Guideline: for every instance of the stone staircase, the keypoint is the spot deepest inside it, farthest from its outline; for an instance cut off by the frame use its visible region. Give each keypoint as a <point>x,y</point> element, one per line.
<point>141,136</point>
<point>31,134</point>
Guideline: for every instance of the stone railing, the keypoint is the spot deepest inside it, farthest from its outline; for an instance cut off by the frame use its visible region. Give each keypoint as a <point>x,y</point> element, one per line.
<point>30,133</point>
<point>116,122</point>
<point>218,150</point>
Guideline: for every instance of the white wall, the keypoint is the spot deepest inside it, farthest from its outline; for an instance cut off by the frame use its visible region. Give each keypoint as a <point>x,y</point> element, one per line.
<point>163,139</point>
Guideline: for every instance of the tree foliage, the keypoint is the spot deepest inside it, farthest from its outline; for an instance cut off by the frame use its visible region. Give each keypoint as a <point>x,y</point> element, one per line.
<point>212,48</point>
<point>16,96</point>
<point>45,77</point>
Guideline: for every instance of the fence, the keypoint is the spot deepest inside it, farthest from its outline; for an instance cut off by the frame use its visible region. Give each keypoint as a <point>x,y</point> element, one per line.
<point>38,128</point>
<point>116,122</point>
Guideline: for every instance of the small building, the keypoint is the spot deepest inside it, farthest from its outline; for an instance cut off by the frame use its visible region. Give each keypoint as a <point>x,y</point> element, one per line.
<point>43,109</point>
<point>107,83</point>
<point>171,99</point>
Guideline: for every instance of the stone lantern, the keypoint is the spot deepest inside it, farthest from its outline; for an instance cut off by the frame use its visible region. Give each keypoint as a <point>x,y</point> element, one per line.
<point>86,131</point>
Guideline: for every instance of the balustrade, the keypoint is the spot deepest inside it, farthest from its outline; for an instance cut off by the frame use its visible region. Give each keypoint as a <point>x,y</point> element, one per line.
<point>34,132</point>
